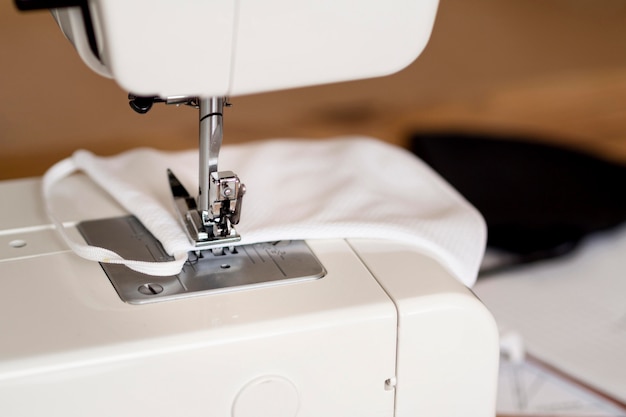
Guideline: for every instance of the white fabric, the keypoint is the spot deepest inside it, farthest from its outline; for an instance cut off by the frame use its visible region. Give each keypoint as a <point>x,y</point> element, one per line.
<point>341,188</point>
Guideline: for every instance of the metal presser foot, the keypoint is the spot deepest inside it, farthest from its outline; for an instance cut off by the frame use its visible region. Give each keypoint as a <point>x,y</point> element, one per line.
<point>210,220</point>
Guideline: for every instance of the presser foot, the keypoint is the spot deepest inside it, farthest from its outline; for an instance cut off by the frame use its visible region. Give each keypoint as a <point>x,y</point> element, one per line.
<point>214,227</point>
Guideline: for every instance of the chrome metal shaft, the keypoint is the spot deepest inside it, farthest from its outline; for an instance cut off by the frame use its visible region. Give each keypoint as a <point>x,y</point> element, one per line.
<point>211,134</point>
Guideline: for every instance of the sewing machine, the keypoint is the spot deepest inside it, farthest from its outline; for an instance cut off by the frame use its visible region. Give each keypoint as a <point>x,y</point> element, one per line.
<point>331,328</point>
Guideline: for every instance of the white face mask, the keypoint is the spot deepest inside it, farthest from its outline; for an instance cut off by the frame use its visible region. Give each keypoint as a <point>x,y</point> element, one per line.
<point>298,189</point>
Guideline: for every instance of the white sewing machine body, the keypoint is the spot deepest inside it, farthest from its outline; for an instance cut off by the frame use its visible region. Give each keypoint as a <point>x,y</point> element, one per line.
<point>386,332</point>
<point>215,48</point>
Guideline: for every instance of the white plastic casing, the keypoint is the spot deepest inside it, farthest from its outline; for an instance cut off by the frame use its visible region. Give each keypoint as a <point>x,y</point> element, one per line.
<point>233,47</point>
<point>387,332</point>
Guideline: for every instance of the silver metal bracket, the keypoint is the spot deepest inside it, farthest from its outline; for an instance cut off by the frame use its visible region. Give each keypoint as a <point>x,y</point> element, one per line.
<point>203,235</point>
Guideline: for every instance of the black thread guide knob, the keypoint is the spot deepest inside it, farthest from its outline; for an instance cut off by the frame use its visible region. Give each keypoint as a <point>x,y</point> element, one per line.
<point>142,105</point>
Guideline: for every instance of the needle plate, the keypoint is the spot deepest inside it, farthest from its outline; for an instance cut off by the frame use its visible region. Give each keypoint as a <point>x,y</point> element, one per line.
<point>208,271</point>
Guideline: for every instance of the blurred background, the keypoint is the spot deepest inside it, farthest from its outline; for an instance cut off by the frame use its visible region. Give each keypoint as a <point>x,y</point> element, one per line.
<point>549,70</point>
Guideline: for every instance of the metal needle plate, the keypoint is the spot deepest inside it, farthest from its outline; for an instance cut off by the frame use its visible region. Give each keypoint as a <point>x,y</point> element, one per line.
<point>210,271</point>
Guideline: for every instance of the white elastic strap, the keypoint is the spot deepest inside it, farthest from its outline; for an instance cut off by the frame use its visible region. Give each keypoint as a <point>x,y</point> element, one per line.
<point>65,168</point>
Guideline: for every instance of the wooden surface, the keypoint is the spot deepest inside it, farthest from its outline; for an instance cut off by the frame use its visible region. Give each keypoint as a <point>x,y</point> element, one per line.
<point>551,70</point>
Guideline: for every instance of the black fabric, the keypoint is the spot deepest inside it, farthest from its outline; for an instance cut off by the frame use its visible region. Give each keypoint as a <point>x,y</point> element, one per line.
<point>538,201</point>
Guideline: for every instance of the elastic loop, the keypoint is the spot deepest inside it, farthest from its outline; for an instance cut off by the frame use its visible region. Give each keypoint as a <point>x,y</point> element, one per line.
<point>64,169</point>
